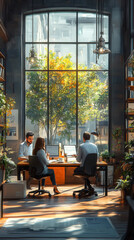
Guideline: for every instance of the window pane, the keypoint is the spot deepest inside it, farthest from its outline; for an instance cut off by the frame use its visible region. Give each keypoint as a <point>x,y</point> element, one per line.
<point>93,106</point>
<point>86,57</point>
<point>106,28</point>
<point>40,28</point>
<point>62,56</point>
<point>62,107</point>
<point>40,51</point>
<point>36,103</point>
<point>86,27</point>
<point>62,27</point>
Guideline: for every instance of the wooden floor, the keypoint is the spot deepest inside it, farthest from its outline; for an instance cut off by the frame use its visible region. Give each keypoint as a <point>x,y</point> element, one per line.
<point>64,205</point>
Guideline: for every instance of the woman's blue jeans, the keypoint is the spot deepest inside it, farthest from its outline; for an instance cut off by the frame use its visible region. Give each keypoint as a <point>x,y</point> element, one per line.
<point>50,173</point>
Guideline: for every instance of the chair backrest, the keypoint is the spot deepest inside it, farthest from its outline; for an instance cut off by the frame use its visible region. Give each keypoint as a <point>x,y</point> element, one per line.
<point>34,164</point>
<point>90,164</point>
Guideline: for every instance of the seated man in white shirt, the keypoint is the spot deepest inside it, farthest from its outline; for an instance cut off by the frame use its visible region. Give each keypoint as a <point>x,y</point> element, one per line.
<point>26,149</point>
<point>84,149</point>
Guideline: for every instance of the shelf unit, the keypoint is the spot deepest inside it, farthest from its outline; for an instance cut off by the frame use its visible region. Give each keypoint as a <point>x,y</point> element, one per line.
<point>2,88</point>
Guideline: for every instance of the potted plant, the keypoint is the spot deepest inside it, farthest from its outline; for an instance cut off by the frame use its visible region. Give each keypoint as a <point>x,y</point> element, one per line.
<point>105,155</point>
<point>6,165</point>
<point>112,158</point>
<point>124,186</point>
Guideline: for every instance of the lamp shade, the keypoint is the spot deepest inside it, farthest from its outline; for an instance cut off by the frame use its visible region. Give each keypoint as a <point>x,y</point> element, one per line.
<point>101,49</point>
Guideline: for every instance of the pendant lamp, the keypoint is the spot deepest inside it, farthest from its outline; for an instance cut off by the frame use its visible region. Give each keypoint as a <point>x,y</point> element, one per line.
<point>32,54</point>
<point>100,44</point>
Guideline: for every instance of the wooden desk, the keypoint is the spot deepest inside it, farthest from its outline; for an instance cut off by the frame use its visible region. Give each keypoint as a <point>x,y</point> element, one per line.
<point>101,166</point>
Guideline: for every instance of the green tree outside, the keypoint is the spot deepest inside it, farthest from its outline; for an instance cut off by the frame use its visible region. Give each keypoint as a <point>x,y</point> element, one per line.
<point>92,96</point>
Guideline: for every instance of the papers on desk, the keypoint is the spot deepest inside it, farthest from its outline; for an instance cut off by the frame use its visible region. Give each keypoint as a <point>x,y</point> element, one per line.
<point>71,160</point>
<point>53,161</point>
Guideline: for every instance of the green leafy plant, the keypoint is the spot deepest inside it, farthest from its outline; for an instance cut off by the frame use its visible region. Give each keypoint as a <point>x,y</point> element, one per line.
<point>123,183</point>
<point>6,103</point>
<point>7,164</point>
<point>129,144</point>
<point>105,155</point>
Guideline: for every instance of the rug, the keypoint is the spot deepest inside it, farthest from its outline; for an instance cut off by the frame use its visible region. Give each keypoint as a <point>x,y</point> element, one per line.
<point>85,228</point>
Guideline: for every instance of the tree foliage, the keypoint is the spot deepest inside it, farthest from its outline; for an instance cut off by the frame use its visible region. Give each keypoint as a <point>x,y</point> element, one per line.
<point>92,95</point>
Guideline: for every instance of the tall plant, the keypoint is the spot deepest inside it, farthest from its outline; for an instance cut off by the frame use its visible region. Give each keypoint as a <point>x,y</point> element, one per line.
<point>6,103</point>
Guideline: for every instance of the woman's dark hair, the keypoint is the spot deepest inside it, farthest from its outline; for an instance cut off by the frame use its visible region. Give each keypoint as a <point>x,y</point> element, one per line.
<point>29,134</point>
<point>40,144</point>
<point>86,135</point>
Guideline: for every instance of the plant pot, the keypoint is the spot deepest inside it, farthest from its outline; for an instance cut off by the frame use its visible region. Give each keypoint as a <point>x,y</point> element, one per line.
<point>2,175</point>
<point>123,195</point>
<point>114,160</point>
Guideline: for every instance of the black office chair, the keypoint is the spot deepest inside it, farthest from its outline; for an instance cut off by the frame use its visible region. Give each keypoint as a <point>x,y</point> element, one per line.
<point>34,164</point>
<point>88,170</point>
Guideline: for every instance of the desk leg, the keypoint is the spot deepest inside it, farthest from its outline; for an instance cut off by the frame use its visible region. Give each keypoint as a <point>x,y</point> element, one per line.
<point>23,174</point>
<point>106,181</point>
<point>18,173</point>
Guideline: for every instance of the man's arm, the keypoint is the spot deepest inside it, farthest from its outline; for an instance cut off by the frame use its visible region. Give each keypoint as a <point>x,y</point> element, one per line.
<point>21,156</point>
<point>79,154</point>
<point>97,154</point>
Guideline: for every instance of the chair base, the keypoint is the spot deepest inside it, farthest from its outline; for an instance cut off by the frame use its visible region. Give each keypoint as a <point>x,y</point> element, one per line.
<point>85,192</point>
<point>38,193</point>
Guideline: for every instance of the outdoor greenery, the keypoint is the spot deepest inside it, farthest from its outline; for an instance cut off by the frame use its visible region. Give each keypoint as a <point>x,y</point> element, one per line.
<point>92,95</point>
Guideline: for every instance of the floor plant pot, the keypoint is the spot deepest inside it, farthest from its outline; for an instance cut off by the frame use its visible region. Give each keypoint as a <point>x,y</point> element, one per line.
<point>2,175</point>
<point>122,195</point>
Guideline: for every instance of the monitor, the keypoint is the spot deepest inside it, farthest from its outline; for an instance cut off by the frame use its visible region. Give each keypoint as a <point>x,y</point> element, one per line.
<point>53,150</point>
<point>70,150</point>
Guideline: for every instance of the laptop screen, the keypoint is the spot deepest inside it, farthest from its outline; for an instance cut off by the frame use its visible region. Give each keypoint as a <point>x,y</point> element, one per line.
<point>70,150</point>
<point>53,150</point>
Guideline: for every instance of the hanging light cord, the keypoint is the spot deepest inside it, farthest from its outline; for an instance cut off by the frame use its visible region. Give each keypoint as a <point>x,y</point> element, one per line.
<point>32,24</point>
<point>97,29</point>
<point>102,27</point>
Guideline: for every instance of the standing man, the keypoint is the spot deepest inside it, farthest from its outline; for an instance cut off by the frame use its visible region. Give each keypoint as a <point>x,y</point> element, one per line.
<point>84,149</point>
<point>26,147</point>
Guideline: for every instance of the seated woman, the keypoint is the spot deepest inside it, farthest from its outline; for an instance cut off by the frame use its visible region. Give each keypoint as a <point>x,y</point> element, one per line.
<point>39,150</point>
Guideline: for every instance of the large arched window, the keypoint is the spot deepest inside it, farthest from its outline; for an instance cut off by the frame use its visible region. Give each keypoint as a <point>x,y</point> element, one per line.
<point>66,91</point>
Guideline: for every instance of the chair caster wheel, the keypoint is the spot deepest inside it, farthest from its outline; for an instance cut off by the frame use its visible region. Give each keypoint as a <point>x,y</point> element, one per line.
<point>96,194</point>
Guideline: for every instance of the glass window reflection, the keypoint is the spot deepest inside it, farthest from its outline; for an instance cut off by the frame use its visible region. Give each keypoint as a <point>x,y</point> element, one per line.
<point>62,27</point>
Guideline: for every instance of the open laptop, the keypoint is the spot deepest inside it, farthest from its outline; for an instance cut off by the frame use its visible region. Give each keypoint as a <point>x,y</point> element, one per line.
<point>70,151</point>
<point>53,150</point>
